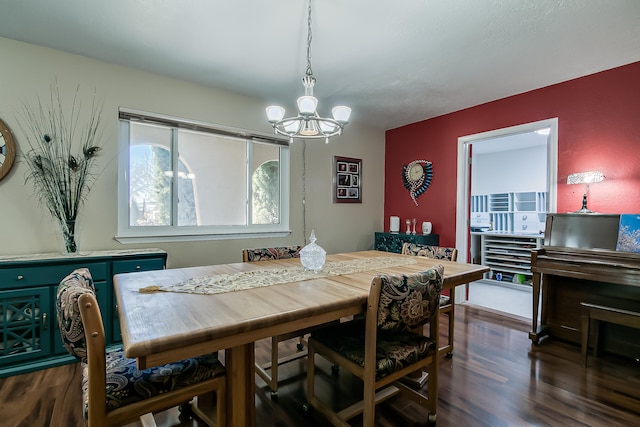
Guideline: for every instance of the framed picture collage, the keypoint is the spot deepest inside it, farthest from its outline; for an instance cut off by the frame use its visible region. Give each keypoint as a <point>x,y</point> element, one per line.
<point>347,184</point>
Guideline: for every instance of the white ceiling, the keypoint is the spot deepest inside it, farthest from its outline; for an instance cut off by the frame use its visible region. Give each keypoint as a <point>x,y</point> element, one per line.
<point>394,63</point>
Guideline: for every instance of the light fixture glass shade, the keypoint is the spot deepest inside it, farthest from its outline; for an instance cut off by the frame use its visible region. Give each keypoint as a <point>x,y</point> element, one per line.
<point>291,126</point>
<point>327,127</point>
<point>590,177</point>
<point>341,113</point>
<point>274,113</point>
<point>307,104</point>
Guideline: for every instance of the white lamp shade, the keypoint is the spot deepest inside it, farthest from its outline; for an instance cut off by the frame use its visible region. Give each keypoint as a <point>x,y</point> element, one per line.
<point>291,126</point>
<point>327,127</point>
<point>590,177</point>
<point>341,113</point>
<point>274,113</point>
<point>307,104</point>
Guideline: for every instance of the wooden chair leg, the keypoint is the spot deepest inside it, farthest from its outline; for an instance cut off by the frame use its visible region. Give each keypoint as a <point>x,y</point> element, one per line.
<point>273,384</point>
<point>432,390</point>
<point>452,299</point>
<point>311,376</point>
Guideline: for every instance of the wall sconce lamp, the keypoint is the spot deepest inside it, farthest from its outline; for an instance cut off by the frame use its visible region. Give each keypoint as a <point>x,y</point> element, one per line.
<point>587,178</point>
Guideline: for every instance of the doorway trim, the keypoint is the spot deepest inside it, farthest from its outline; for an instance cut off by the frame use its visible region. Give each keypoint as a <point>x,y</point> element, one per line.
<point>463,190</point>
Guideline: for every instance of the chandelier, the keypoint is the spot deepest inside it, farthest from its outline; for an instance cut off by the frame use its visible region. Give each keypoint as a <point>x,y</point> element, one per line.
<point>308,123</point>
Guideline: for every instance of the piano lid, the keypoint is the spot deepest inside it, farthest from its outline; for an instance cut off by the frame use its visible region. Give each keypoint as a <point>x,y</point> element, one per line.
<point>582,231</point>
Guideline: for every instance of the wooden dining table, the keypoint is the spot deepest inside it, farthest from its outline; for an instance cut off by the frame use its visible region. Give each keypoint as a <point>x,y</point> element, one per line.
<point>163,327</point>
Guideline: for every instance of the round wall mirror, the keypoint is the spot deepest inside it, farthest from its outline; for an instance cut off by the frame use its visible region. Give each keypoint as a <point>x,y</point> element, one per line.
<point>7,150</point>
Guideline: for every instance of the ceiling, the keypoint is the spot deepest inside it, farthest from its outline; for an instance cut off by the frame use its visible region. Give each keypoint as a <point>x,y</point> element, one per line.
<point>393,63</point>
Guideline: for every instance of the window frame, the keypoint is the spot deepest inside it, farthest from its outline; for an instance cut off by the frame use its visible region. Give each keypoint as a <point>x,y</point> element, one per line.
<point>173,233</point>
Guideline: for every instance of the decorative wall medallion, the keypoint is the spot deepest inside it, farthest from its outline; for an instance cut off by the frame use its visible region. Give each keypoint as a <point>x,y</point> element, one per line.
<point>416,177</point>
<point>7,149</point>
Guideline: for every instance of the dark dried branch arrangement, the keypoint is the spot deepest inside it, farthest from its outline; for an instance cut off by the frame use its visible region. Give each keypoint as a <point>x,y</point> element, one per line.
<point>60,159</point>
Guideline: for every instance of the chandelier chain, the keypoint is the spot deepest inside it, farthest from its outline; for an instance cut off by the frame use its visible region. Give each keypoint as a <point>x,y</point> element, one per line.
<point>309,71</point>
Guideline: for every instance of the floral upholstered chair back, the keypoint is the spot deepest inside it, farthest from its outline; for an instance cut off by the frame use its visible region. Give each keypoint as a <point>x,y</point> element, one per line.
<point>409,301</point>
<point>68,312</point>
<point>435,252</point>
<point>262,254</point>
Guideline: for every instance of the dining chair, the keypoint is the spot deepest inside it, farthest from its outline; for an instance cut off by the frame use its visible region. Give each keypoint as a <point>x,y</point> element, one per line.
<point>447,302</point>
<point>278,252</point>
<point>262,254</point>
<point>384,346</point>
<point>114,391</point>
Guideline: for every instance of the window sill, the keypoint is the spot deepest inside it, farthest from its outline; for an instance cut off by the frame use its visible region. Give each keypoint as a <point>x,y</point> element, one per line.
<point>131,239</point>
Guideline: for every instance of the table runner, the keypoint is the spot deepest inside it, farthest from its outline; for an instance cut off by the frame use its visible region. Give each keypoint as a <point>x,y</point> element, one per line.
<point>221,283</point>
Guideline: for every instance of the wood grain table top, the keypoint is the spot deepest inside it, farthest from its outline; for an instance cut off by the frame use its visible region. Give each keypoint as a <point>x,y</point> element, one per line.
<point>167,326</point>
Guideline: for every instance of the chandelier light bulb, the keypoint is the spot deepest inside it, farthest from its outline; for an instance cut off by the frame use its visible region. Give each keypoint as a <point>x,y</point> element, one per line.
<point>309,129</point>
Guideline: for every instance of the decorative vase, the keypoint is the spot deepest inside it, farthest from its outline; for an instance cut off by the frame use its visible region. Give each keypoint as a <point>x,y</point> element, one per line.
<point>69,245</point>
<point>426,227</point>
<point>394,224</point>
<point>313,256</point>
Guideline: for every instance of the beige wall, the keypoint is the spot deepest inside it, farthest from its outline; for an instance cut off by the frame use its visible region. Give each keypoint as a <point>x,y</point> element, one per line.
<point>27,71</point>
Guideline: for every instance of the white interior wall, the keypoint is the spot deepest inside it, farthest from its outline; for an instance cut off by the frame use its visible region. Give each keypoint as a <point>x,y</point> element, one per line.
<point>28,71</point>
<point>509,171</point>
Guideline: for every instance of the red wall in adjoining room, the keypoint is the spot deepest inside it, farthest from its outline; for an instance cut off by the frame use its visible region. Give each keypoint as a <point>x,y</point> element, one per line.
<point>598,129</point>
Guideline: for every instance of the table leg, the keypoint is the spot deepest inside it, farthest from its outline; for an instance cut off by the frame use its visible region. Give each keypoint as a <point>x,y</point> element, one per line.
<point>241,388</point>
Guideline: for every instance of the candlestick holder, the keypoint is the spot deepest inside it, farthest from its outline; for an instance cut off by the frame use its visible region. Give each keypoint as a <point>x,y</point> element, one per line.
<point>413,222</point>
<point>408,222</point>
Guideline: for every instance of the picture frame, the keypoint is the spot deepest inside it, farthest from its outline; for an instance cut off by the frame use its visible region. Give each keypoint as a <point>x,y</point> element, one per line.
<point>347,180</point>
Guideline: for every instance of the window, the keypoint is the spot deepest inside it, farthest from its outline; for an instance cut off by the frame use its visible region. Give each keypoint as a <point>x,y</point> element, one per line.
<point>181,180</point>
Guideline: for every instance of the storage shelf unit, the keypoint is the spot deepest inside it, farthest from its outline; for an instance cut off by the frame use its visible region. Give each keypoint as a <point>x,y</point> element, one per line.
<point>508,256</point>
<point>515,212</point>
<point>29,335</point>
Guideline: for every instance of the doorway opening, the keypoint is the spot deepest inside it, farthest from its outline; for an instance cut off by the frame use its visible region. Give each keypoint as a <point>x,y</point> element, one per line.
<point>507,181</point>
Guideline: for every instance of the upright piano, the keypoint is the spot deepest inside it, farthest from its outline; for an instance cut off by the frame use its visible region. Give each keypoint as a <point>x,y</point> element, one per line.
<point>578,262</point>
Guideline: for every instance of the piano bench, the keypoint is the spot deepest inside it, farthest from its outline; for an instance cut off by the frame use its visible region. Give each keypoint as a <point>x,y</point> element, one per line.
<point>604,313</point>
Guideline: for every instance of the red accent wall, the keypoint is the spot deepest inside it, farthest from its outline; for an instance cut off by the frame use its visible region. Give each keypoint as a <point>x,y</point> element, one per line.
<point>598,129</point>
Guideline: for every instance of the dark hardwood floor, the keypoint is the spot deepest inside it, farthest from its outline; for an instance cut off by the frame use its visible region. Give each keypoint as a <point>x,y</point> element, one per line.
<point>496,377</point>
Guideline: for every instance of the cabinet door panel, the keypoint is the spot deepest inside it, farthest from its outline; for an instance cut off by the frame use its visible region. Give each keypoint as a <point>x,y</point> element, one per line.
<point>25,325</point>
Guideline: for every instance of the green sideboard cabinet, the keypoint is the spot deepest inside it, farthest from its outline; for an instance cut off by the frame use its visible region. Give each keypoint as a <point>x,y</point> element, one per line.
<point>29,335</point>
<point>392,242</point>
